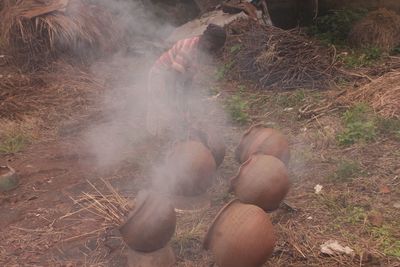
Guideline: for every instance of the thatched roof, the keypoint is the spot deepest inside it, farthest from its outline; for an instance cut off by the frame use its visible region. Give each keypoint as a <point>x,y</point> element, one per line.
<point>37,29</point>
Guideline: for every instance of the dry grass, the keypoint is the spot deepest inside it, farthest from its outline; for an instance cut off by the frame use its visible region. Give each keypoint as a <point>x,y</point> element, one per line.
<point>382,94</point>
<point>111,207</point>
<point>275,58</point>
<point>56,92</point>
<point>14,136</point>
<point>33,32</point>
<point>380,28</point>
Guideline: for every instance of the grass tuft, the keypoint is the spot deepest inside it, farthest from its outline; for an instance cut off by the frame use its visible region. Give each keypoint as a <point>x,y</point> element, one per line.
<point>13,143</point>
<point>238,108</point>
<point>346,171</point>
<point>360,125</point>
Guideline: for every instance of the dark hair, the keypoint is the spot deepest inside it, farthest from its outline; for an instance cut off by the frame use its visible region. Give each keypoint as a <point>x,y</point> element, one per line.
<point>215,35</point>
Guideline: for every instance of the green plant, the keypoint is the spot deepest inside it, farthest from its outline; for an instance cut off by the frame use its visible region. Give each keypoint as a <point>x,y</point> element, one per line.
<point>396,50</point>
<point>222,70</point>
<point>389,127</point>
<point>241,89</point>
<point>360,125</point>
<point>388,242</point>
<point>346,170</point>
<point>291,99</point>
<point>354,215</point>
<point>13,143</point>
<point>334,202</point>
<point>361,58</point>
<point>213,90</point>
<point>333,28</point>
<point>237,108</point>
<point>235,48</point>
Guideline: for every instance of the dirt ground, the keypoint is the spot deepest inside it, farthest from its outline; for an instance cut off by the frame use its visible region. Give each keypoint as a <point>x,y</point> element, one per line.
<point>43,224</point>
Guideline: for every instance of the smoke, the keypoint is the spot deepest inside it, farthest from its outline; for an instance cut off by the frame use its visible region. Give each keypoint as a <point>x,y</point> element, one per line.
<point>122,134</point>
<point>123,107</point>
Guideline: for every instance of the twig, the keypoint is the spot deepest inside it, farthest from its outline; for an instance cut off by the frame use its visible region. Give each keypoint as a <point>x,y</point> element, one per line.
<point>85,234</point>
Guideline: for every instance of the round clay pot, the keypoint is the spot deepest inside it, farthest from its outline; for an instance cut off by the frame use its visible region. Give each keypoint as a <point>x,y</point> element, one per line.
<point>268,141</point>
<point>241,235</point>
<point>151,224</point>
<point>262,181</point>
<point>8,178</point>
<point>212,141</point>
<point>188,170</point>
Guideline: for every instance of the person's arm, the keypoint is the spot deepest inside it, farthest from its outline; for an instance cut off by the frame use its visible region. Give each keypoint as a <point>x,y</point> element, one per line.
<point>181,62</point>
<point>178,68</point>
<point>184,70</point>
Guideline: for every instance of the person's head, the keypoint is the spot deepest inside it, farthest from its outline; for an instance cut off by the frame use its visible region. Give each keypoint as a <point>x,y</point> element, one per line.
<point>213,38</point>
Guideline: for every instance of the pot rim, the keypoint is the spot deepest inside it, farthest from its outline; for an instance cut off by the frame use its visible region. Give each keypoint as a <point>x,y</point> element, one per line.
<point>207,239</point>
<point>247,132</point>
<point>206,142</point>
<point>10,172</point>
<point>233,179</point>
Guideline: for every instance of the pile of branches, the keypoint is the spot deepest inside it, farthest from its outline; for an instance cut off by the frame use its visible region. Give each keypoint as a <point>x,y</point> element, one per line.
<point>57,92</point>
<point>380,28</point>
<point>275,58</point>
<point>382,94</point>
<point>34,31</point>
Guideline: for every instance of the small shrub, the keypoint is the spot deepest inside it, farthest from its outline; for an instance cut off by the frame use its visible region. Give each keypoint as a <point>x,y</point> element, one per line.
<point>389,127</point>
<point>13,143</point>
<point>387,240</point>
<point>355,215</point>
<point>237,108</point>
<point>334,28</point>
<point>235,48</point>
<point>361,58</point>
<point>346,171</point>
<point>292,99</point>
<point>360,125</point>
<point>396,50</point>
<point>222,70</point>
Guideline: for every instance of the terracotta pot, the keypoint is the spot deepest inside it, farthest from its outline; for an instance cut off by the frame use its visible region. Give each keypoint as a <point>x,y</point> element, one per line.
<point>151,224</point>
<point>212,141</point>
<point>268,141</point>
<point>263,181</point>
<point>8,178</point>
<point>241,235</point>
<point>188,170</point>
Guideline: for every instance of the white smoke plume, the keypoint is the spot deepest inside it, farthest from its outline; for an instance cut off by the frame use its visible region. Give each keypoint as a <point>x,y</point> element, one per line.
<point>124,106</point>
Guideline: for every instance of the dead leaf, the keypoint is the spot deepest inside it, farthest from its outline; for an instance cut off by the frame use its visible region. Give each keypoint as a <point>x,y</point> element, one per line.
<point>318,189</point>
<point>384,189</point>
<point>332,248</point>
<point>375,218</point>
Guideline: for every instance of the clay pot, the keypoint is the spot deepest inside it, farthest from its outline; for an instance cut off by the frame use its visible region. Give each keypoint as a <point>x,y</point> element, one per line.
<point>263,181</point>
<point>241,235</point>
<point>212,141</point>
<point>188,170</point>
<point>268,141</point>
<point>8,178</point>
<point>151,224</point>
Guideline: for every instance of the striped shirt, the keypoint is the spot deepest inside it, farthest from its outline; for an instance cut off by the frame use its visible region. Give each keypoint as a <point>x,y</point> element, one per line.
<point>181,56</point>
